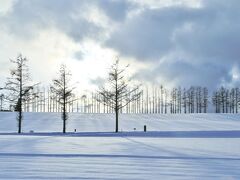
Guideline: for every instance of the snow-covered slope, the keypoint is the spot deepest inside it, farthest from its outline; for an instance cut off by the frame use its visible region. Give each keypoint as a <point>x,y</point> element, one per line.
<point>51,122</point>
<point>199,146</point>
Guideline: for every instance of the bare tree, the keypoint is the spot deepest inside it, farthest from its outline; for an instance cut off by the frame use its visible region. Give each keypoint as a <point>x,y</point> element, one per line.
<point>205,99</point>
<point>117,94</point>
<point>179,99</point>
<point>236,99</point>
<point>184,100</point>
<point>1,102</point>
<point>166,97</point>
<point>63,91</point>
<point>19,87</point>
<point>161,102</point>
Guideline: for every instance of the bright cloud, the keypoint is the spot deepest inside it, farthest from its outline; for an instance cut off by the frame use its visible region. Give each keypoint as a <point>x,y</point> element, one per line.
<point>174,42</point>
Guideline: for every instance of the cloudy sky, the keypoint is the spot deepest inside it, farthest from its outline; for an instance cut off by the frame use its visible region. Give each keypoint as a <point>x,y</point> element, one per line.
<point>172,42</point>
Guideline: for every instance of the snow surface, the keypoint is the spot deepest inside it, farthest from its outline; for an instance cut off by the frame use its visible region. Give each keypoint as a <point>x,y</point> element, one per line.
<point>200,146</point>
<point>51,122</point>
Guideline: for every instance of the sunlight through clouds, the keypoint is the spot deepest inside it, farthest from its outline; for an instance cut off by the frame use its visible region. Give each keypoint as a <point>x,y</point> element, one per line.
<point>152,36</point>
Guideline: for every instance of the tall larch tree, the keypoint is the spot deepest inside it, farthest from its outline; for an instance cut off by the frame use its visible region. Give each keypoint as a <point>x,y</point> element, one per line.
<point>117,93</point>
<point>19,87</point>
<point>63,92</point>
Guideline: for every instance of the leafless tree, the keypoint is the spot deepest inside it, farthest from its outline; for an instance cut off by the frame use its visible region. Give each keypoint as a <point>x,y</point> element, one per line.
<point>205,99</point>
<point>63,91</point>
<point>19,88</point>
<point>1,101</point>
<point>117,94</point>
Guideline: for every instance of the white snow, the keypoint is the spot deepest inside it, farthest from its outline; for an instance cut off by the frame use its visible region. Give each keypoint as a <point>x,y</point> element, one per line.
<point>51,122</point>
<point>200,146</point>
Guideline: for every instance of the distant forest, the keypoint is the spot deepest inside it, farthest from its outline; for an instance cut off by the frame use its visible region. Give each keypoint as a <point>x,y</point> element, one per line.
<point>155,99</point>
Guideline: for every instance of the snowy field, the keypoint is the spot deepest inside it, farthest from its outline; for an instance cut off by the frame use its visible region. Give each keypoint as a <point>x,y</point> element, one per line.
<point>203,146</point>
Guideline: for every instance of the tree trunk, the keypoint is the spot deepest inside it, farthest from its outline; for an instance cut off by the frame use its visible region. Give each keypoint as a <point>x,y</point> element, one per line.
<point>19,121</point>
<point>64,122</point>
<point>64,103</point>
<point>116,111</point>
<point>20,103</point>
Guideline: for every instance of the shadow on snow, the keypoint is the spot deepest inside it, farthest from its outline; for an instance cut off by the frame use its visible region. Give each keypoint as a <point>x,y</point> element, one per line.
<point>152,134</point>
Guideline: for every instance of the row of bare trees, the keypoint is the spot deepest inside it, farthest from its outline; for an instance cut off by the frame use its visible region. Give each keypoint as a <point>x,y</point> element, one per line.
<point>21,92</point>
<point>118,95</point>
<point>155,99</point>
<point>192,100</point>
<point>226,100</point>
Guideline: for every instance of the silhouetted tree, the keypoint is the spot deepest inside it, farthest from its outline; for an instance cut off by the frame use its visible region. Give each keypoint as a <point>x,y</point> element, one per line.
<point>19,87</point>
<point>179,100</point>
<point>185,100</point>
<point>205,99</point>
<point>161,98</point>
<point>117,94</point>
<point>63,91</point>
<point>236,99</point>
<point>165,103</point>
<point>1,101</point>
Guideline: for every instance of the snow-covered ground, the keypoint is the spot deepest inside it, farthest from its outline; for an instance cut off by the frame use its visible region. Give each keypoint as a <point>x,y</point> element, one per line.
<point>203,146</point>
<point>51,122</point>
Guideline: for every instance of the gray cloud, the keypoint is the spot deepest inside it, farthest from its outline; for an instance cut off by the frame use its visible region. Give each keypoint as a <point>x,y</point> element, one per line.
<point>79,55</point>
<point>31,16</point>
<point>149,34</point>
<point>215,37</point>
<point>154,33</point>
<point>116,10</point>
<point>206,40</point>
<point>98,81</point>
<point>186,74</point>
<point>193,46</point>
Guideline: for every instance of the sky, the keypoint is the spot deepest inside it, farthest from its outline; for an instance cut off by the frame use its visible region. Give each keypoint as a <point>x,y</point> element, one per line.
<point>169,42</point>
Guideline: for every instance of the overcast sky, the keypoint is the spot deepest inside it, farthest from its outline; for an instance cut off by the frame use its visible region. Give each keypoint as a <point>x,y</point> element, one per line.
<point>172,42</point>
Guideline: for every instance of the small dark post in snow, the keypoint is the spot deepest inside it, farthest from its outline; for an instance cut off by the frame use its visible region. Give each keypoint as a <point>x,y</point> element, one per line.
<point>145,128</point>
